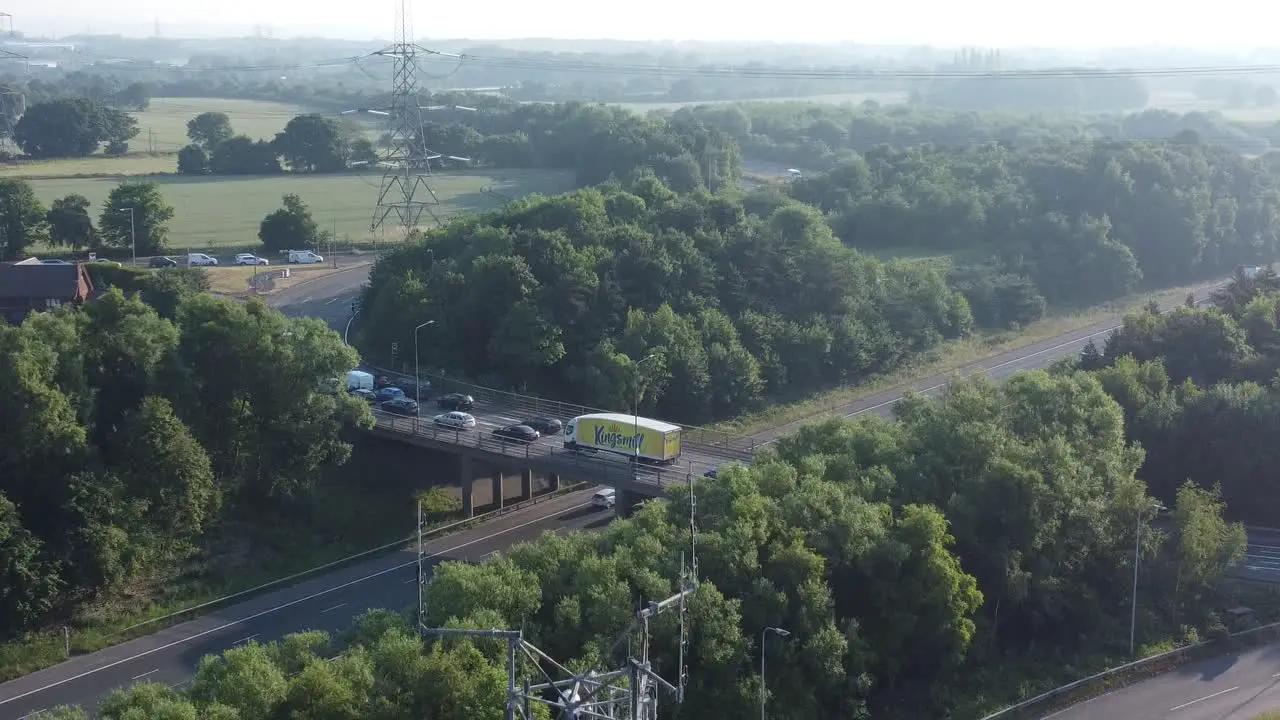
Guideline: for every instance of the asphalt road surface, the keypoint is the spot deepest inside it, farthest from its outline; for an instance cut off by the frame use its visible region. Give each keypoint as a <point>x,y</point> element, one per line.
<point>325,603</point>
<point>1232,687</point>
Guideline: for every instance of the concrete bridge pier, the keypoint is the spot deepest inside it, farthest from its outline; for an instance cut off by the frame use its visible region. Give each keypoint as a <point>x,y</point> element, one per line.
<point>467,482</point>
<point>498,491</point>
<point>526,484</point>
<point>625,501</point>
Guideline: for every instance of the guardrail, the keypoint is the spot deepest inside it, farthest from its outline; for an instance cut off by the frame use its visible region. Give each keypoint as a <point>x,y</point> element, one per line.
<point>732,447</point>
<point>1061,698</point>
<point>550,457</point>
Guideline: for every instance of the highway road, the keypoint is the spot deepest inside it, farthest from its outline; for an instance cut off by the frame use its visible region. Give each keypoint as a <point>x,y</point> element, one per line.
<point>325,603</point>
<point>1232,687</point>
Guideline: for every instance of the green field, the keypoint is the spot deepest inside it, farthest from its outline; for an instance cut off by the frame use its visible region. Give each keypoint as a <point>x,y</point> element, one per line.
<point>1185,102</point>
<point>164,123</point>
<point>225,211</point>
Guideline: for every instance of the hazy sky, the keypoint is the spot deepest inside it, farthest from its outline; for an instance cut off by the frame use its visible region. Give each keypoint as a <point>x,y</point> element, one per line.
<point>1237,24</point>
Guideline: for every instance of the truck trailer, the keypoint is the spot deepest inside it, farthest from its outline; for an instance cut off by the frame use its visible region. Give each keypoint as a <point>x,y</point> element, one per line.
<point>645,439</point>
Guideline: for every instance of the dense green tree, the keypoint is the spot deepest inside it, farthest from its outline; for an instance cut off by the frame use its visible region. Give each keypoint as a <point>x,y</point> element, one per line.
<point>70,224</point>
<point>135,216</point>
<point>290,227</point>
<point>193,160</point>
<point>242,155</point>
<point>22,219</point>
<point>312,143</point>
<point>208,129</point>
<point>73,127</point>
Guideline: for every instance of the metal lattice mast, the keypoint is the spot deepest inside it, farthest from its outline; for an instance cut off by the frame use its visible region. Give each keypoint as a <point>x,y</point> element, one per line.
<point>404,193</point>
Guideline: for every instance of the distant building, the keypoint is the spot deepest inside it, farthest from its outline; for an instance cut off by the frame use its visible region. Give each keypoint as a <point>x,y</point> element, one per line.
<point>28,287</point>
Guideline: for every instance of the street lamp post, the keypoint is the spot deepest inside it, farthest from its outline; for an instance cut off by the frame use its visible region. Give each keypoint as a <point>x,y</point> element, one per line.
<point>763,634</point>
<point>1137,546</point>
<point>417,378</point>
<point>635,430</point>
<point>133,236</point>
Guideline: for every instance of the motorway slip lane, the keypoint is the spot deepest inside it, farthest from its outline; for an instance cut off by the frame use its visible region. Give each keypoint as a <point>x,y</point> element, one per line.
<point>1232,687</point>
<point>327,603</point>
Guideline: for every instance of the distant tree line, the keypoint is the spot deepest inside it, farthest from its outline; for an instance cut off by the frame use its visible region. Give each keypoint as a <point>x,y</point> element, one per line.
<point>309,143</point>
<point>1077,223</point>
<point>133,426</point>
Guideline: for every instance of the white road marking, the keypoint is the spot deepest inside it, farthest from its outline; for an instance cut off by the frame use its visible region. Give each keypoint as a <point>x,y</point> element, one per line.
<point>275,609</point>
<point>332,300</point>
<point>335,607</point>
<point>1206,697</point>
<point>412,579</point>
<point>32,713</point>
<point>149,672</point>
<point>245,640</point>
<point>486,556</point>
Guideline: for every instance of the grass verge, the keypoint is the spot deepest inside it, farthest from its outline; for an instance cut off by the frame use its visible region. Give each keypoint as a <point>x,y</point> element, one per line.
<point>238,281</point>
<point>948,358</point>
<point>348,515</point>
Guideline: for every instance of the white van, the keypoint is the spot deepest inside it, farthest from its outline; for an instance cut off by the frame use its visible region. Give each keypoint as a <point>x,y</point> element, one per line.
<point>604,497</point>
<point>198,259</point>
<point>359,380</point>
<point>304,257</point>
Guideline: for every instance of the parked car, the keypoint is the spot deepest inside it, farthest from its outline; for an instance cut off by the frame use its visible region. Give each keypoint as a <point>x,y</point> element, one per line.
<point>401,406</point>
<point>389,393</point>
<point>198,259</point>
<point>544,425</point>
<point>521,433</point>
<point>455,401</point>
<point>251,259</point>
<point>365,394</point>
<point>160,261</point>
<point>55,261</point>
<point>604,497</point>
<point>458,420</point>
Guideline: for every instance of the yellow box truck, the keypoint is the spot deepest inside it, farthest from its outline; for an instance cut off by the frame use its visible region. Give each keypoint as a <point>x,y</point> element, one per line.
<point>651,441</point>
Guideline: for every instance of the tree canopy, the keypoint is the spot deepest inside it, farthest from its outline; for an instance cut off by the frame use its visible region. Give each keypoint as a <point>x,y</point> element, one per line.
<point>73,127</point>
<point>126,434</point>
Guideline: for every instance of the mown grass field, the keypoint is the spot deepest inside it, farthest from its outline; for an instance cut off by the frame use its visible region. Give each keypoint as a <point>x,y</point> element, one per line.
<point>212,212</point>
<point>164,122</point>
<point>1188,102</point>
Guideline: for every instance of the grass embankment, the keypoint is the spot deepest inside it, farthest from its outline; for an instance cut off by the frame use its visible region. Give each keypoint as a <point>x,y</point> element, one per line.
<point>948,358</point>
<point>367,503</point>
<point>238,281</point>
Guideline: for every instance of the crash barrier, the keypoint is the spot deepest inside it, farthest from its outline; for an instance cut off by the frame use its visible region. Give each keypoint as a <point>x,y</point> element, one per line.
<point>731,447</point>
<point>603,469</point>
<point>1061,698</point>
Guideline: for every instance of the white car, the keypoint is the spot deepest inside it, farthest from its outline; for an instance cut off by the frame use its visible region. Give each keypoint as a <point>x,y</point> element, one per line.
<point>459,420</point>
<point>199,259</point>
<point>604,497</point>
<point>251,259</point>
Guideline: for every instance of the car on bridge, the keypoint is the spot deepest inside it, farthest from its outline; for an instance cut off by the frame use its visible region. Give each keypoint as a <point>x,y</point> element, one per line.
<point>401,406</point>
<point>389,393</point>
<point>544,425</point>
<point>522,433</point>
<point>456,420</point>
<point>455,401</point>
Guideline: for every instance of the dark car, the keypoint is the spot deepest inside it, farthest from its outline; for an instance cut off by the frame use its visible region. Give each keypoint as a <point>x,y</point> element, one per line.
<point>381,382</point>
<point>544,425</point>
<point>523,433</point>
<point>455,401</point>
<point>389,393</point>
<point>711,473</point>
<point>163,262</point>
<point>401,406</point>
<point>368,396</point>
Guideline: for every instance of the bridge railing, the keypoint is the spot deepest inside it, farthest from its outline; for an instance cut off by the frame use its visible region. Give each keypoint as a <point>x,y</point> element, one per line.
<point>525,406</point>
<point>603,469</point>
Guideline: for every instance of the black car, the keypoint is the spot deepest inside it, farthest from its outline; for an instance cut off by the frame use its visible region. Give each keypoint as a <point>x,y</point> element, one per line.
<point>364,394</point>
<point>455,401</point>
<point>401,406</point>
<point>523,433</point>
<point>544,425</point>
<point>163,262</point>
